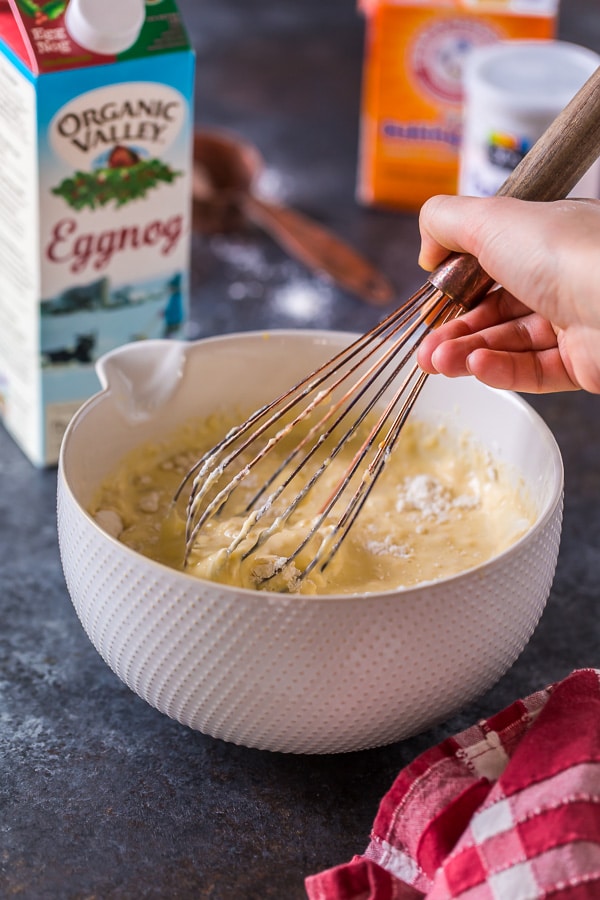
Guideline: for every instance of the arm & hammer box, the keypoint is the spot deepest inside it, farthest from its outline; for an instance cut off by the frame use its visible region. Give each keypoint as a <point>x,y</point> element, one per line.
<point>95,201</point>
<point>411,107</point>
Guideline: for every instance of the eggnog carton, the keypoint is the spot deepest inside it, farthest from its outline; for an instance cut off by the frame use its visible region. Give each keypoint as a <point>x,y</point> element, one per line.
<point>95,220</point>
<point>411,109</point>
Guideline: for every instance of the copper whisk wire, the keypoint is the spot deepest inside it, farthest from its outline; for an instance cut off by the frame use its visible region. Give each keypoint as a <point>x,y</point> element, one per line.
<point>354,381</point>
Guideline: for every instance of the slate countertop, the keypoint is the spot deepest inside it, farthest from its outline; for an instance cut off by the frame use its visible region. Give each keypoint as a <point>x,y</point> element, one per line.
<point>101,795</point>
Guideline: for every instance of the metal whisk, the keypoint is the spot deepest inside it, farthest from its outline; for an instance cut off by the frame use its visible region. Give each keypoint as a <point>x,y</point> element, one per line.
<point>374,383</point>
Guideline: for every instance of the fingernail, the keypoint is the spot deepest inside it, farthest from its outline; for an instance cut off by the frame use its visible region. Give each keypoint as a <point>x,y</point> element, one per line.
<point>423,263</point>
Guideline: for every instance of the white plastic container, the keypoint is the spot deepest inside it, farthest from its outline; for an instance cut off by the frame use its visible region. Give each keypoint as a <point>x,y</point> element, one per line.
<point>513,90</point>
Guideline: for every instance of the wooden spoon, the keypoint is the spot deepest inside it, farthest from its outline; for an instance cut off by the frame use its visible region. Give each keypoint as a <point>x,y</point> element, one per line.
<point>225,172</point>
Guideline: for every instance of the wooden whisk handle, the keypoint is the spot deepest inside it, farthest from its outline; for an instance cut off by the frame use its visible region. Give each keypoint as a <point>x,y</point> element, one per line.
<point>549,171</point>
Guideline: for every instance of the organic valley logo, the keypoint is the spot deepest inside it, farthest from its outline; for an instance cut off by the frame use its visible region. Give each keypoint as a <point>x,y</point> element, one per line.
<point>113,138</point>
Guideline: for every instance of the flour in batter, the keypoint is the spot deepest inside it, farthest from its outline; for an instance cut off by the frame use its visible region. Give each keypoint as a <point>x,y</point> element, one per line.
<point>442,506</point>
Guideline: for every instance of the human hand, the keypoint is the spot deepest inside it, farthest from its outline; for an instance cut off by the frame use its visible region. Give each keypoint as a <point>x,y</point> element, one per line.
<point>540,331</point>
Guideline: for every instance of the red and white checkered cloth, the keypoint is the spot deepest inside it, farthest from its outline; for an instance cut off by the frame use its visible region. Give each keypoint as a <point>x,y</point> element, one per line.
<point>507,810</point>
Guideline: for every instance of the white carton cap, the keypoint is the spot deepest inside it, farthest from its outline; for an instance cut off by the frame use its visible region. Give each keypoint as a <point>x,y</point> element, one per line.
<point>109,27</point>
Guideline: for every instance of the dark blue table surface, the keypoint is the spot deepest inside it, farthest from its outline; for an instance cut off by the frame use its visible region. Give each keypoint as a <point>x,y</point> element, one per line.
<point>101,795</point>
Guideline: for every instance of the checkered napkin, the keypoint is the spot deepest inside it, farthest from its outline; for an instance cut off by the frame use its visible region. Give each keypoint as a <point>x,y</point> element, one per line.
<point>507,810</point>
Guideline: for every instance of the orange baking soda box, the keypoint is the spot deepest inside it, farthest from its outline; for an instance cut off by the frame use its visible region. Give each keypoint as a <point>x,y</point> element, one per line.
<point>411,108</point>
<point>95,221</point>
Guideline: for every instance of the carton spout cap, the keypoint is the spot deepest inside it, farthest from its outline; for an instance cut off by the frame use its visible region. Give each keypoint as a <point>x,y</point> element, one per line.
<point>109,28</point>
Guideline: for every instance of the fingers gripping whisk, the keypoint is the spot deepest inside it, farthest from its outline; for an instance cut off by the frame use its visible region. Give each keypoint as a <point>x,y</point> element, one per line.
<point>272,474</point>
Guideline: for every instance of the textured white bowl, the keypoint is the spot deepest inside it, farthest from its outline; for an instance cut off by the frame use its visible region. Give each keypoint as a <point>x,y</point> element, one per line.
<point>293,673</point>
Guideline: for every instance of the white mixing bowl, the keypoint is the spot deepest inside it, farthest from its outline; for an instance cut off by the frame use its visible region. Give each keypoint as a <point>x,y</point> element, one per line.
<point>302,674</point>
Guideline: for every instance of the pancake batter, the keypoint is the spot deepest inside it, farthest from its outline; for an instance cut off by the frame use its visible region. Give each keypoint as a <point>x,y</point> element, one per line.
<point>441,506</point>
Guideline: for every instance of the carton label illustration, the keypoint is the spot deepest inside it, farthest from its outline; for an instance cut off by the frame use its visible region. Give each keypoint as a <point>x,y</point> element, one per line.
<point>112,140</point>
<point>438,53</point>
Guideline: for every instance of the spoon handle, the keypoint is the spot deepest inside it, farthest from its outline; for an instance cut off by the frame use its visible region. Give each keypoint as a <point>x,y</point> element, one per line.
<point>319,249</point>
